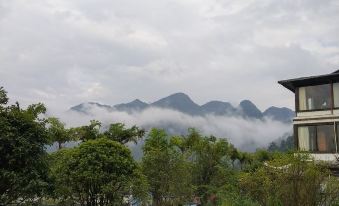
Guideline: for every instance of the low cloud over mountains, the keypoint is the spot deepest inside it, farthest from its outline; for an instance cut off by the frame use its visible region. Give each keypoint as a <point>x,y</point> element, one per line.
<point>245,125</point>
<point>182,103</point>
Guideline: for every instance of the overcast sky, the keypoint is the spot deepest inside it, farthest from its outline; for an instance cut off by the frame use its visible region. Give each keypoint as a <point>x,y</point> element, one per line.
<point>64,52</point>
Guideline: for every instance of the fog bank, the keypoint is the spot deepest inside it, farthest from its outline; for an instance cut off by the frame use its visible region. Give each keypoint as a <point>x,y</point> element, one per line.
<point>246,134</point>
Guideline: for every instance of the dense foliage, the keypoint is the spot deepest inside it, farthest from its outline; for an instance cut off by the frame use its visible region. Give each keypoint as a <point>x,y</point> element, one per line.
<point>57,131</point>
<point>98,172</point>
<point>174,170</point>
<point>290,179</point>
<point>168,174</point>
<point>23,162</point>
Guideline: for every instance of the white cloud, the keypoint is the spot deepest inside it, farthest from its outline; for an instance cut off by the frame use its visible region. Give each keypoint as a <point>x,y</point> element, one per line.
<point>113,51</point>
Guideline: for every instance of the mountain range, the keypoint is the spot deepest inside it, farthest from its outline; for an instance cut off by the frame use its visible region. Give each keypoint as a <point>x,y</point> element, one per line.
<point>183,103</point>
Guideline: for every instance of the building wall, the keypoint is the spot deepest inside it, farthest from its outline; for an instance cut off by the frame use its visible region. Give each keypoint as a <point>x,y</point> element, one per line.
<point>318,118</point>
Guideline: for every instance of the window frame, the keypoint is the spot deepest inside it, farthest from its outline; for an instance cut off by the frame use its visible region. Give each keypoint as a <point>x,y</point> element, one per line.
<point>336,140</point>
<point>332,87</point>
<point>335,130</point>
<point>331,107</point>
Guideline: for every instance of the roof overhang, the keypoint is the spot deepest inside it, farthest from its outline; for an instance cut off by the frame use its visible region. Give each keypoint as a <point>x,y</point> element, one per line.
<point>292,84</point>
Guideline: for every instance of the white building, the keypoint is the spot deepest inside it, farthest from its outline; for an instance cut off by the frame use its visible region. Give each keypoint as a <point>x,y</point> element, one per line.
<point>316,125</point>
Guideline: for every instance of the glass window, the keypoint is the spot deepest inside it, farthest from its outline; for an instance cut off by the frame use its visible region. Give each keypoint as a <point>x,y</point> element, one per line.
<point>315,97</point>
<point>325,138</point>
<point>318,138</point>
<point>336,94</point>
<point>307,138</point>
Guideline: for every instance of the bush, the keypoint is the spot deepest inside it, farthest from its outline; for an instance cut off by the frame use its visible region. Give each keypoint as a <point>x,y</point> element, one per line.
<point>291,179</point>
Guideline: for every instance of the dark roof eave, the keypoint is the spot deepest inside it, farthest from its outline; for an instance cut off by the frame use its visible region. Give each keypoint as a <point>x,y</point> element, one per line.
<point>292,84</point>
<point>287,85</point>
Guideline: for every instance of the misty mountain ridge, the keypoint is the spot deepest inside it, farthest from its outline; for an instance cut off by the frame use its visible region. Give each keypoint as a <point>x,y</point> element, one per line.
<point>135,105</point>
<point>183,103</point>
<point>248,109</point>
<point>179,102</point>
<point>86,107</point>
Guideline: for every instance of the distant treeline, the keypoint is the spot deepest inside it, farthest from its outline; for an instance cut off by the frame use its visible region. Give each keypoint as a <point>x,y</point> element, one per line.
<point>187,169</point>
<point>283,145</point>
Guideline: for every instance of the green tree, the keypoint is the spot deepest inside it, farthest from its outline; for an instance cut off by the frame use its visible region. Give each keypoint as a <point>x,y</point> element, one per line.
<point>119,133</point>
<point>211,165</point>
<point>57,131</point>
<point>167,171</point>
<point>87,132</point>
<point>23,164</point>
<point>3,96</point>
<point>98,172</point>
<point>210,160</point>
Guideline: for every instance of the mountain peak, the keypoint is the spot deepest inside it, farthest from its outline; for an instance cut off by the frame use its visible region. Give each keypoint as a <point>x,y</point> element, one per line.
<point>246,102</point>
<point>176,97</point>
<point>137,101</point>
<point>85,107</point>
<point>218,108</point>
<point>179,95</point>
<point>250,110</point>
<point>180,102</point>
<point>133,105</point>
<point>281,114</point>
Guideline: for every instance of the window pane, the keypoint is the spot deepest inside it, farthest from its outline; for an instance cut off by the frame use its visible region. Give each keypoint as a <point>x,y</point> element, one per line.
<point>302,98</point>
<point>336,94</point>
<point>318,138</point>
<point>315,97</point>
<point>307,138</point>
<point>325,138</point>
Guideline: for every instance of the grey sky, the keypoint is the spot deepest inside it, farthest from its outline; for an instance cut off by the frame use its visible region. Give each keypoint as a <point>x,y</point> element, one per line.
<point>64,52</point>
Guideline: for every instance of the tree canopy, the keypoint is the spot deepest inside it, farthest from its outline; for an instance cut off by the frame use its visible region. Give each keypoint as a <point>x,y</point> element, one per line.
<point>167,172</point>
<point>23,163</point>
<point>57,131</point>
<point>119,133</point>
<point>98,172</point>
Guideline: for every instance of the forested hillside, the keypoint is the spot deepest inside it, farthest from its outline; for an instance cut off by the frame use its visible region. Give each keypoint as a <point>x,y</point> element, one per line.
<point>190,169</point>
